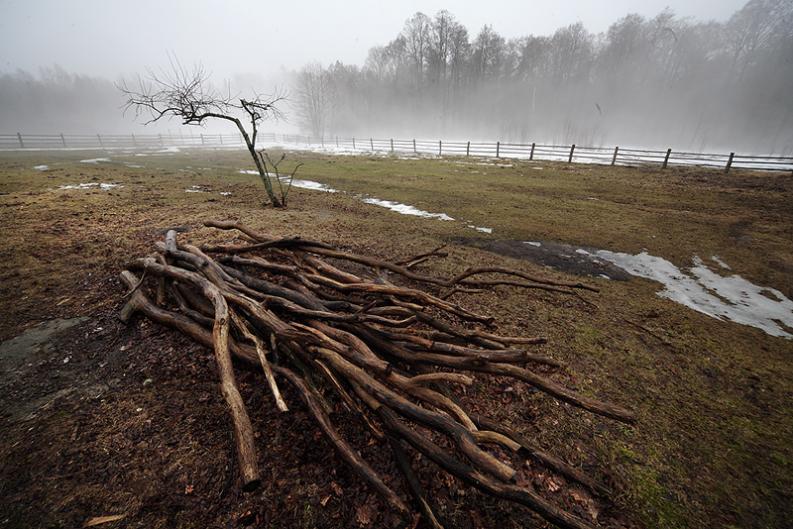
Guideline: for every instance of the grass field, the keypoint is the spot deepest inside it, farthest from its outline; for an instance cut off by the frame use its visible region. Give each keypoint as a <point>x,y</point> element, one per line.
<point>714,399</point>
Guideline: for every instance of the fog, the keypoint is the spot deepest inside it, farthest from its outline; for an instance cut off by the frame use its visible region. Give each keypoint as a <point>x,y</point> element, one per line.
<point>697,75</point>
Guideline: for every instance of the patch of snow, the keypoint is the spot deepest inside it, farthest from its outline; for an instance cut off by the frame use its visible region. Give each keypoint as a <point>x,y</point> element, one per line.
<point>195,189</point>
<point>716,259</point>
<point>481,228</point>
<point>406,209</point>
<point>582,251</point>
<point>169,150</point>
<point>603,276</point>
<point>225,193</point>
<point>310,184</point>
<point>533,243</point>
<point>133,165</point>
<point>495,164</point>
<point>41,167</point>
<point>90,185</point>
<point>95,160</point>
<point>730,298</point>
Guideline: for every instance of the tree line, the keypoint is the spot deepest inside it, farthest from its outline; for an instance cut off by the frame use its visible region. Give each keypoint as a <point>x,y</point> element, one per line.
<point>662,81</point>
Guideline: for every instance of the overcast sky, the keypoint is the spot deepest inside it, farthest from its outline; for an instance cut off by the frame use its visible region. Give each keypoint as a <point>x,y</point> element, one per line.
<point>113,37</point>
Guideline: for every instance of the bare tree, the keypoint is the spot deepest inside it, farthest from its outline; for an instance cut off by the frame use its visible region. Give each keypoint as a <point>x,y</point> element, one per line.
<point>189,96</point>
<point>314,98</point>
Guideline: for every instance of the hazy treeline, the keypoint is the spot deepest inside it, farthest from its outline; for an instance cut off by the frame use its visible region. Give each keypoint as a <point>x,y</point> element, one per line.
<point>665,81</point>
<point>56,101</point>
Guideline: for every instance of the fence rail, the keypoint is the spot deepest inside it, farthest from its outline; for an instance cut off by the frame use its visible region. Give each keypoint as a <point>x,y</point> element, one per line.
<point>528,151</point>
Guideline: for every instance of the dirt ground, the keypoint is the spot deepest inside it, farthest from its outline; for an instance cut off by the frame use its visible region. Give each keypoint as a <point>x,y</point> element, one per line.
<point>100,418</point>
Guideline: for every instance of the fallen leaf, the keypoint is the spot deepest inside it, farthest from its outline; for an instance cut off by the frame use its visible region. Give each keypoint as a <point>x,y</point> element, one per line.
<point>554,484</point>
<point>99,520</point>
<point>364,515</point>
<point>337,490</point>
<point>324,501</point>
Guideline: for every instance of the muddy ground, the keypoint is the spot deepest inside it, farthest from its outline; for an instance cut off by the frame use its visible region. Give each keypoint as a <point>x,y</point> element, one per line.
<point>100,418</point>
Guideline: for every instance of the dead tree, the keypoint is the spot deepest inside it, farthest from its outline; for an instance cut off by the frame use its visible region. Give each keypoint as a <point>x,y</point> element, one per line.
<point>190,97</point>
<point>375,336</point>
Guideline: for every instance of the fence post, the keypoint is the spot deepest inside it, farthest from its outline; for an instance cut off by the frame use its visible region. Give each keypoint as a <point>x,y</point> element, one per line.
<point>371,144</point>
<point>322,141</point>
<point>666,160</point>
<point>729,162</point>
<point>21,143</point>
<point>219,136</point>
<point>63,140</point>
<point>134,141</point>
<point>100,141</point>
<point>440,147</point>
<point>414,146</point>
<point>614,158</point>
<point>353,143</point>
<point>392,145</point>
<point>572,150</point>
<point>468,149</point>
<point>202,138</point>
<point>498,148</point>
<point>337,142</point>
<point>531,154</point>
<point>161,143</point>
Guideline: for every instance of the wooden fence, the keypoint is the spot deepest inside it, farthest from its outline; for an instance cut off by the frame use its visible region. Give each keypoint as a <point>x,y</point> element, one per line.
<point>527,151</point>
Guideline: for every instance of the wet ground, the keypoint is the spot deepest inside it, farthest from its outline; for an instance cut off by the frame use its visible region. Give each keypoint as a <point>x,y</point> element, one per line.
<point>572,259</point>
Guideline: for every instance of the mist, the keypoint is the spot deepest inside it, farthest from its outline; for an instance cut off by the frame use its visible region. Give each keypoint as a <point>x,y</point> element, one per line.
<point>664,81</point>
<point>709,78</point>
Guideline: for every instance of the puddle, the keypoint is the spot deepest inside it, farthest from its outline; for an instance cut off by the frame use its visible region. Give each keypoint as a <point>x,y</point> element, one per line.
<point>560,256</point>
<point>95,160</point>
<point>91,185</point>
<point>41,167</point>
<point>731,298</point>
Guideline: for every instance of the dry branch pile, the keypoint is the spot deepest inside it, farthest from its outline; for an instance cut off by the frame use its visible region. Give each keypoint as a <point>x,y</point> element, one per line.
<point>331,324</point>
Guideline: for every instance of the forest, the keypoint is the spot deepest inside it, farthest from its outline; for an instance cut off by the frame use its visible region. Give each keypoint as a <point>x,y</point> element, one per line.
<point>661,82</point>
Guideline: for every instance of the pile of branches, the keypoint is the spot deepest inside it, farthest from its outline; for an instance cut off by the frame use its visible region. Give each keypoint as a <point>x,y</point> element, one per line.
<point>333,325</point>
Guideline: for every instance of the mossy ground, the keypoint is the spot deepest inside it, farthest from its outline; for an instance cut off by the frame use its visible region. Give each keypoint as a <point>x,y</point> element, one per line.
<point>712,447</point>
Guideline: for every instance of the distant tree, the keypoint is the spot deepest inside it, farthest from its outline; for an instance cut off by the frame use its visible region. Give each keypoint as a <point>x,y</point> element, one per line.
<point>488,53</point>
<point>190,97</point>
<point>314,89</point>
<point>417,35</point>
